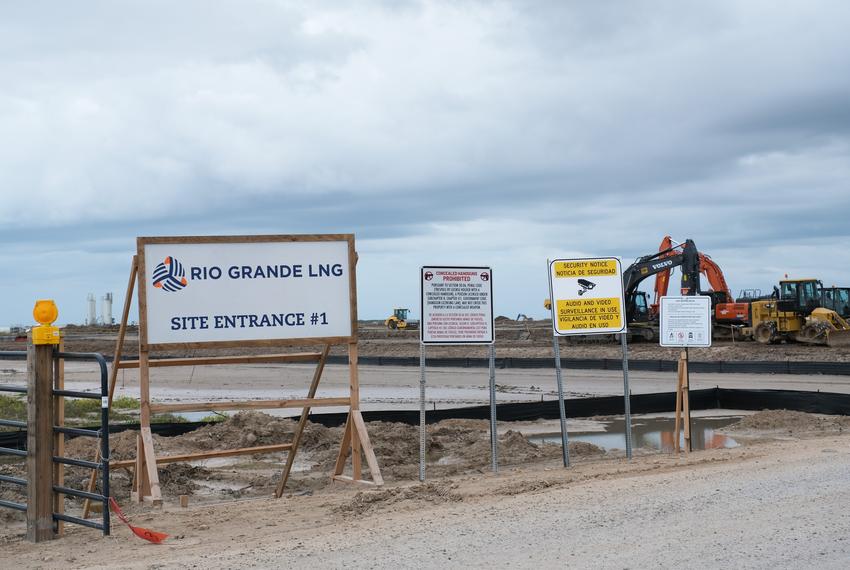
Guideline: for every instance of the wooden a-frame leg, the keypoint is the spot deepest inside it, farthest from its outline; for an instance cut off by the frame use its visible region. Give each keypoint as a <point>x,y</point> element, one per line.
<point>366,444</point>
<point>302,423</point>
<point>344,449</point>
<point>146,487</point>
<point>355,430</point>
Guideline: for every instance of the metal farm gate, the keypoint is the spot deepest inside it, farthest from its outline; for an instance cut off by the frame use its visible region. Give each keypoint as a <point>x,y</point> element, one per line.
<point>47,434</point>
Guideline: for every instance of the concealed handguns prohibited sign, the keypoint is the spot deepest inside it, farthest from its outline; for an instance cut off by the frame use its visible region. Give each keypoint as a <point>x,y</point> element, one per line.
<point>457,305</point>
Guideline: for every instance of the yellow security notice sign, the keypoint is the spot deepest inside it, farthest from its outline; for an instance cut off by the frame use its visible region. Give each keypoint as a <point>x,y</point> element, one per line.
<point>587,296</point>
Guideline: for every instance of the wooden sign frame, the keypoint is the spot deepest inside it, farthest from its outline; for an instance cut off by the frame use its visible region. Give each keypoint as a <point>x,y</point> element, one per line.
<point>355,437</point>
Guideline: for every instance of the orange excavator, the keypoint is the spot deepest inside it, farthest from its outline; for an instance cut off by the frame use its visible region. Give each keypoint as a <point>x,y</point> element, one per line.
<point>726,310</point>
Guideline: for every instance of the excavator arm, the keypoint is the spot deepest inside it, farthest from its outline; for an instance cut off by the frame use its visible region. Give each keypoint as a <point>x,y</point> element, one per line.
<point>684,255</point>
<point>707,267</point>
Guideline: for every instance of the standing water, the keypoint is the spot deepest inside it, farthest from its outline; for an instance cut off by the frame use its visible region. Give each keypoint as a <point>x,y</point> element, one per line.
<point>654,433</point>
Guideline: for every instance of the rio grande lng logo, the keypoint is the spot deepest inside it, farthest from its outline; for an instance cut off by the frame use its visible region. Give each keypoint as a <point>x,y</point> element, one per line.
<point>169,275</point>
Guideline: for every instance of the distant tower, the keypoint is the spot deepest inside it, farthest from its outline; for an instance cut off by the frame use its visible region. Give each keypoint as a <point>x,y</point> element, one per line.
<point>92,318</point>
<point>106,309</point>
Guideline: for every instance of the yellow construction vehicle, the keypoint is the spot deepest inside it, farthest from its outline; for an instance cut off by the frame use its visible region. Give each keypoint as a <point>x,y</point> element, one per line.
<point>795,313</point>
<point>398,320</point>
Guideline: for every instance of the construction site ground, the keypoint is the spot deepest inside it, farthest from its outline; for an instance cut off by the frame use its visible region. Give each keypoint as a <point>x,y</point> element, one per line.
<point>777,499</point>
<point>517,339</point>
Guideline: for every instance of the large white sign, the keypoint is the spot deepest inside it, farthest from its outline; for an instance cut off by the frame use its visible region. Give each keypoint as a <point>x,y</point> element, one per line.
<point>686,321</point>
<point>587,296</point>
<point>243,290</point>
<point>456,305</point>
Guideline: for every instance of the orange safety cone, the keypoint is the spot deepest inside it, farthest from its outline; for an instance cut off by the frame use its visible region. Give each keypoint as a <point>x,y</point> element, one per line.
<point>144,533</point>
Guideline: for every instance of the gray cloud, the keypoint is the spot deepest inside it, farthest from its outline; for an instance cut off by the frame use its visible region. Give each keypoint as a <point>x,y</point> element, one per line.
<point>476,132</point>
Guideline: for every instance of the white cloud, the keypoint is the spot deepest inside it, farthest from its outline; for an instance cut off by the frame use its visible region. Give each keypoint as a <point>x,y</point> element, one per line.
<point>464,131</point>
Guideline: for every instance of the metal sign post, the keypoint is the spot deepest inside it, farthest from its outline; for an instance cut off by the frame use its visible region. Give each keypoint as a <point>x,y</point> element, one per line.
<point>422,412</point>
<point>565,447</point>
<point>627,395</point>
<point>494,434</point>
<point>587,297</point>
<point>456,308</point>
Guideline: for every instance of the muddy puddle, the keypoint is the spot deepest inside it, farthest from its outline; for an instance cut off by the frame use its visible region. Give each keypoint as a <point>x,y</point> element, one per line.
<point>652,433</point>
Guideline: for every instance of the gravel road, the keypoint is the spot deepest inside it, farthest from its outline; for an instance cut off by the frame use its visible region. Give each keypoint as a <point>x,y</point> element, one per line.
<point>770,504</point>
<point>780,512</point>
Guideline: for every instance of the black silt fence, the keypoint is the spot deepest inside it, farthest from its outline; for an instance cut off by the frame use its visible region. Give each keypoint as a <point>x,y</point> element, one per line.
<point>708,399</point>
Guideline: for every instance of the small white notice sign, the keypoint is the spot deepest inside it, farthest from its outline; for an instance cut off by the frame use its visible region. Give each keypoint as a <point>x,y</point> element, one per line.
<point>686,321</point>
<point>457,305</point>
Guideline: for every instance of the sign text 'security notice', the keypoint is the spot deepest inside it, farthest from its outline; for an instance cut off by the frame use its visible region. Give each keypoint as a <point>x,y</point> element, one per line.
<point>587,296</point>
<point>245,291</point>
<point>457,305</point>
<point>685,321</point>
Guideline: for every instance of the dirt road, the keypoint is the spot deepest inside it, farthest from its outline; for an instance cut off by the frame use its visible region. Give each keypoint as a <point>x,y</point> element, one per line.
<point>776,504</point>
<point>397,387</point>
<point>513,339</point>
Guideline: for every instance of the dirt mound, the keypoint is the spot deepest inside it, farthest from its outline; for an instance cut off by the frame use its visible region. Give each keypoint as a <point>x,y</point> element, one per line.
<point>583,449</point>
<point>513,448</point>
<point>122,445</point>
<point>245,429</point>
<point>520,487</point>
<point>433,493</point>
<point>790,422</point>
<point>394,443</point>
<point>179,478</point>
<point>454,447</point>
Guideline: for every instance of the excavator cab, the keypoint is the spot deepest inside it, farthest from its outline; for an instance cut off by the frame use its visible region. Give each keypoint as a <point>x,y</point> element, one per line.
<point>801,296</point>
<point>836,299</point>
<point>637,308</point>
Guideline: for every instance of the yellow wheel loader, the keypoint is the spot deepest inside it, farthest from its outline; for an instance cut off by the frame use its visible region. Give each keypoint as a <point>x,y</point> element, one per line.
<point>795,314</point>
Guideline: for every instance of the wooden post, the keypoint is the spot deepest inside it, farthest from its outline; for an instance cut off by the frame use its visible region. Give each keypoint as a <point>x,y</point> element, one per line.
<point>147,475</point>
<point>683,405</point>
<point>40,442</point>
<point>355,406</point>
<point>678,422</point>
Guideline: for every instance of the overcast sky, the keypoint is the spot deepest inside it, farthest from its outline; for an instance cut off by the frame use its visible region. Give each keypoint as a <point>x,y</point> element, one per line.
<point>462,132</point>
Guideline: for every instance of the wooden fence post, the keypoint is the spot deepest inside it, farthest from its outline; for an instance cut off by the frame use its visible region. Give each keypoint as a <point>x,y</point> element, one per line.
<point>40,525</point>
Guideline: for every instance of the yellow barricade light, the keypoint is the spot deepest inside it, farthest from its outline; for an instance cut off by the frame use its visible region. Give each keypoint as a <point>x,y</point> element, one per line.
<point>45,312</point>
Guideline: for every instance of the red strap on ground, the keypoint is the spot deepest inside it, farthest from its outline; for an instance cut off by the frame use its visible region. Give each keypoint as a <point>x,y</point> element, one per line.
<point>144,533</point>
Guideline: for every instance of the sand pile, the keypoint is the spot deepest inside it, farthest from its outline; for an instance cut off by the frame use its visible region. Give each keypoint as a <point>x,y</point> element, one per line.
<point>433,493</point>
<point>790,422</point>
<point>453,447</point>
